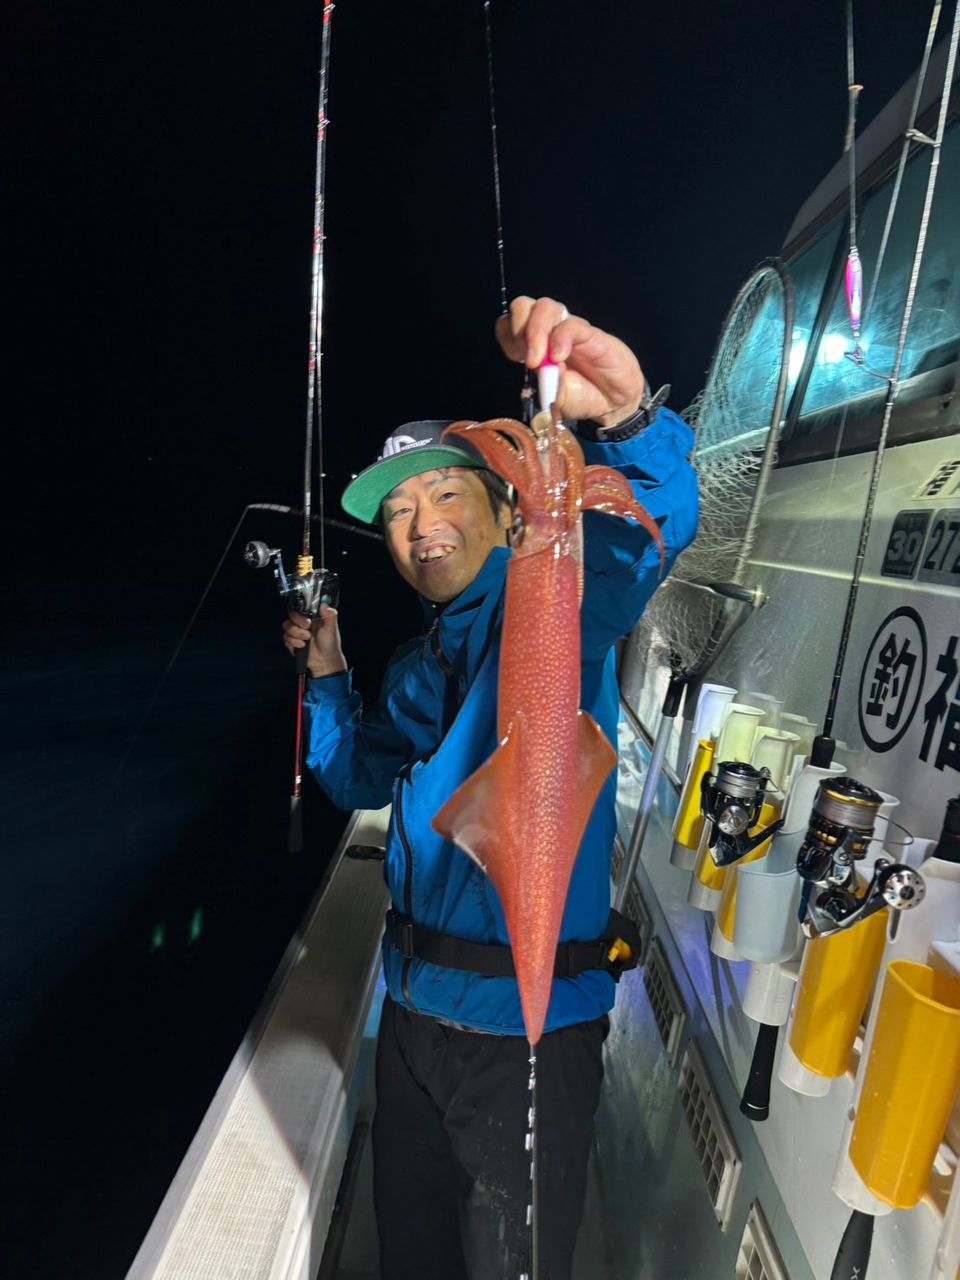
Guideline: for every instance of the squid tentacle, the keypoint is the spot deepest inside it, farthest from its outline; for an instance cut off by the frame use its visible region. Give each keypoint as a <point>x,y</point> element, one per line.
<point>607,491</point>
<point>509,460</point>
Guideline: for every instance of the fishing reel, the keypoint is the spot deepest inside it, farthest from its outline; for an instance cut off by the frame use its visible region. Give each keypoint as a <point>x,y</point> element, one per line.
<point>731,801</point>
<point>838,835</point>
<point>304,592</point>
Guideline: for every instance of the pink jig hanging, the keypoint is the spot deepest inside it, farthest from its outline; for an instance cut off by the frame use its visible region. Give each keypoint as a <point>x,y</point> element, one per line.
<point>854,291</point>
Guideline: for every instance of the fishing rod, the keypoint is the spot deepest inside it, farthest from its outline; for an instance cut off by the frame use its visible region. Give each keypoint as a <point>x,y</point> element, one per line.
<point>526,394</point>
<point>910,134</point>
<point>824,744</point>
<point>680,682</point>
<point>548,388</point>
<point>838,905</point>
<point>755,1099</point>
<point>310,587</point>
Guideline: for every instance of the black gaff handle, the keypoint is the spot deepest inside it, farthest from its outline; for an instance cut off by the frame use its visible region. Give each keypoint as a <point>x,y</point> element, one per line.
<point>853,1256</point>
<point>734,591</point>
<point>300,657</point>
<point>755,1103</point>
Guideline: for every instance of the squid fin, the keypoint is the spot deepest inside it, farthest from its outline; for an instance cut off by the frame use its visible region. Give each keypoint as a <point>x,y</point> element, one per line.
<point>478,818</point>
<point>472,818</point>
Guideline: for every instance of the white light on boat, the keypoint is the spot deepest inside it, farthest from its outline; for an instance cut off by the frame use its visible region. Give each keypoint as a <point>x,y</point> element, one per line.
<point>798,350</point>
<point>833,348</point>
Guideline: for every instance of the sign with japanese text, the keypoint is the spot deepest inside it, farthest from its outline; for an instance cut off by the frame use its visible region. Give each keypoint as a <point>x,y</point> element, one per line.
<point>895,688</point>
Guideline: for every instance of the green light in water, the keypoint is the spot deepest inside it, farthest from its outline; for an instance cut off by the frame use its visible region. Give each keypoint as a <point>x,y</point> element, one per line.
<point>196,926</point>
<point>157,938</point>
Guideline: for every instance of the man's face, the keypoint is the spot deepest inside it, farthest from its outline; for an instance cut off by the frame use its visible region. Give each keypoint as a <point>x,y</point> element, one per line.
<point>440,528</point>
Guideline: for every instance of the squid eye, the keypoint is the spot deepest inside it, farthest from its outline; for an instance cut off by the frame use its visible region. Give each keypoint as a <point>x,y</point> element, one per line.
<point>517,530</point>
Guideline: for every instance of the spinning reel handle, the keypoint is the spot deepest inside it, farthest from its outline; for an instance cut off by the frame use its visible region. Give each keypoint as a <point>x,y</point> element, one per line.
<point>894,885</point>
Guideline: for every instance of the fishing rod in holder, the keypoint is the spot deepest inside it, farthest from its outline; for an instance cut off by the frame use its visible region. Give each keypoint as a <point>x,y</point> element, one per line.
<point>677,687</point>
<point>838,836</point>
<point>839,832</point>
<point>731,801</point>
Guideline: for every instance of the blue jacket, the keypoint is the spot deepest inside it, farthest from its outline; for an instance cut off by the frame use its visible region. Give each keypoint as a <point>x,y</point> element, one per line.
<point>397,751</point>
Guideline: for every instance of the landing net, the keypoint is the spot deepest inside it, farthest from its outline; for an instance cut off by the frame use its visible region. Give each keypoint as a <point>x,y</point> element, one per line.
<point>737,419</point>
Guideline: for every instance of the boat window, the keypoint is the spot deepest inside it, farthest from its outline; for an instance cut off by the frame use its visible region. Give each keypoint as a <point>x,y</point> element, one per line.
<point>934,337</point>
<point>740,409</point>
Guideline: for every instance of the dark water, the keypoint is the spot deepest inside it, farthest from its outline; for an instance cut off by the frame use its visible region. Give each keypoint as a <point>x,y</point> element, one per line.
<point>145,907</point>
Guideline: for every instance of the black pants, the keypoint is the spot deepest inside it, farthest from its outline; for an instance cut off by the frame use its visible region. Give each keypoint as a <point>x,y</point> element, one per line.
<point>451,1175</point>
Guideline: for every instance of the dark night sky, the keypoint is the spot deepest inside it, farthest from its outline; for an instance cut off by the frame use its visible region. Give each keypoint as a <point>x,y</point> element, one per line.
<point>162,171</point>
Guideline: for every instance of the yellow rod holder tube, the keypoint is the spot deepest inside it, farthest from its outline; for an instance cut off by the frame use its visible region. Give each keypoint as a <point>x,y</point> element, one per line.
<point>706,883</point>
<point>911,1083</point>
<point>835,982</point>
<point>688,823</point>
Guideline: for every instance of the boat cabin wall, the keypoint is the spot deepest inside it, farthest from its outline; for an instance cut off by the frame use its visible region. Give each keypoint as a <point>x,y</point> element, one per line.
<point>898,714</point>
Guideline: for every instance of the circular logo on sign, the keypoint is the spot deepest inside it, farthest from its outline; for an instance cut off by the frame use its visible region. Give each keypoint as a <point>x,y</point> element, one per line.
<point>892,679</point>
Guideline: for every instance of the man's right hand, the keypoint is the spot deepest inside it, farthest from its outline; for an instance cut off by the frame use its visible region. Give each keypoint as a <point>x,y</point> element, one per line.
<point>326,656</point>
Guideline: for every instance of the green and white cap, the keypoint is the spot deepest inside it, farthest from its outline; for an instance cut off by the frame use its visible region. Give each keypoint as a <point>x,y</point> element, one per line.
<point>409,451</point>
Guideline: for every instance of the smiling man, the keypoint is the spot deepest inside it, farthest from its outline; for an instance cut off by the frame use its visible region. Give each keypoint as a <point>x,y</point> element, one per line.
<point>450,1171</point>
<point>437,524</point>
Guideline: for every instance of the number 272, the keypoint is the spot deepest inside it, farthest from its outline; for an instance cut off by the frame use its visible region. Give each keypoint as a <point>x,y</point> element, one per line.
<point>942,537</point>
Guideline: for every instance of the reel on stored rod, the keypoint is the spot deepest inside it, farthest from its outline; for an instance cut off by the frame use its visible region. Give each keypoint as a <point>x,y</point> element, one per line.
<point>304,593</point>
<point>838,835</point>
<point>731,801</point>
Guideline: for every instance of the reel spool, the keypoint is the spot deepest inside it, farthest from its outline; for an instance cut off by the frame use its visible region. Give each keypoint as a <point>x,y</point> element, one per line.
<point>731,801</point>
<point>838,836</point>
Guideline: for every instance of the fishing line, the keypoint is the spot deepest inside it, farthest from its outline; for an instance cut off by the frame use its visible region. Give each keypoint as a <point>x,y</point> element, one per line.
<point>526,394</point>
<point>309,587</point>
<point>184,635</point>
<point>531,1146</point>
<point>526,399</point>
<point>909,137</point>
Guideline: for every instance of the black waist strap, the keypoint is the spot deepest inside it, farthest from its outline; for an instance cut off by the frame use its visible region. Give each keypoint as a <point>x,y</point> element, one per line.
<point>573,958</point>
